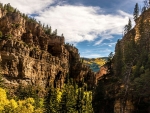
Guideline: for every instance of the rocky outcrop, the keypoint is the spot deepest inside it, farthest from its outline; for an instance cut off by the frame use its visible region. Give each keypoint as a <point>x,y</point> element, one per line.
<point>30,56</point>
<point>85,74</point>
<point>103,71</point>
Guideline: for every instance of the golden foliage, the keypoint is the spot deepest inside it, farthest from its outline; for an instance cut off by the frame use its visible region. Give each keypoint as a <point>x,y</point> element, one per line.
<point>21,106</point>
<point>98,61</point>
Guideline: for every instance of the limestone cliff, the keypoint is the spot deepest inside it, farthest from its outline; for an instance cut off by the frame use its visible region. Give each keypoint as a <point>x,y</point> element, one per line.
<point>31,56</point>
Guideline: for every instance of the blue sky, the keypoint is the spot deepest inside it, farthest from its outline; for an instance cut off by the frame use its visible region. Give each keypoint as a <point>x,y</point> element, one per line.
<point>93,26</point>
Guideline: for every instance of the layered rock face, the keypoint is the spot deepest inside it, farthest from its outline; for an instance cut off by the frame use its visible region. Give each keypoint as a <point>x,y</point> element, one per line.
<point>30,56</point>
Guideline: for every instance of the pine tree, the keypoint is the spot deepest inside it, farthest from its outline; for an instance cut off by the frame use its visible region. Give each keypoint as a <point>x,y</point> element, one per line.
<point>47,26</point>
<point>1,77</point>
<point>49,31</point>
<point>125,29</point>
<point>143,9</point>
<point>118,64</point>
<point>1,5</point>
<point>129,25</point>
<point>55,32</point>
<point>51,103</point>
<point>80,101</point>
<point>136,11</point>
<point>1,80</point>
<point>68,101</point>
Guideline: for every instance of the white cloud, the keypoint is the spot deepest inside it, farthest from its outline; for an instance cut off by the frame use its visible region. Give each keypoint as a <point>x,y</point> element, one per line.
<point>92,56</point>
<point>80,23</point>
<point>125,14</point>
<point>95,52</point>
<point>29,6</point>
<point>104,37</point>
<point>112,44</point>
<point>77,23</point>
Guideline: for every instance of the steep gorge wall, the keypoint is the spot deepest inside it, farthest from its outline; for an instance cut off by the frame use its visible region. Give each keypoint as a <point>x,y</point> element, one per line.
<point>126,88</point>
<point>29,56</point>
<point>131,56</point>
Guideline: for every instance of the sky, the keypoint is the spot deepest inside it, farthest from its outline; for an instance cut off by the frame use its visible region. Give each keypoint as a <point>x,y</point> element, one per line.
<point>93,26</point>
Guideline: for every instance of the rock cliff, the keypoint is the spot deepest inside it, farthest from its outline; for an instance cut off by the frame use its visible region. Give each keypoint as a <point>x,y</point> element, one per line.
<point>131,66</point>
<point>30,55</point>
<point>126,88</point>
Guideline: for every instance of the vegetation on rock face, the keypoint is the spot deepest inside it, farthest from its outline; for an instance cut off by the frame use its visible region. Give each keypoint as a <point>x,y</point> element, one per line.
<point>128,27</point>
<point>69,99</point>
<point>130,72</point>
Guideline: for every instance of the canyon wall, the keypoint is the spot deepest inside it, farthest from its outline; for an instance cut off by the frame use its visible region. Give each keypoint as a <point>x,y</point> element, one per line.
<point>31,56</point>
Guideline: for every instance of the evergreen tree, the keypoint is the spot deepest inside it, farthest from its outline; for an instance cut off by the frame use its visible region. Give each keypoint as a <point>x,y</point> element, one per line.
<point>136,11</point>
<point>55,32</point>
<point>47,26</point>
<point>143,9</point>
<point>40,23</point>
<point>68,101</point>
<point>129,25</point>
<point>49,31</point>
<point>1,80</point>
<point>118,64</point>
<point>110,56</point>
<point>1,5</point>
<point>43,26</point>
<point>51,103</point>
<point>80,101</point>
<point>125,29</point>
<point>1,77</point>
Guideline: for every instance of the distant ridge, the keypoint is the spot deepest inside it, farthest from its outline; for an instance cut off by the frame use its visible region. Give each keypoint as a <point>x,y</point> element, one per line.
<point>95,63</point>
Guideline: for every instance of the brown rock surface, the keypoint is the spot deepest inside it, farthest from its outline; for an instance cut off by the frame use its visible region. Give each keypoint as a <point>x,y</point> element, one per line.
<point>31,57</point>
<point>103,71</point>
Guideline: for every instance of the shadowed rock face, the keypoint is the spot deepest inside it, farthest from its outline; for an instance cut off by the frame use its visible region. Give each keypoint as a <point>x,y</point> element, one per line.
<point>31,57</point>
<point>103,71</point>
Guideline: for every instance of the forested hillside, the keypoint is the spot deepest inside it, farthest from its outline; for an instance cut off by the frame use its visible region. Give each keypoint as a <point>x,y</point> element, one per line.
<point>94,63</point>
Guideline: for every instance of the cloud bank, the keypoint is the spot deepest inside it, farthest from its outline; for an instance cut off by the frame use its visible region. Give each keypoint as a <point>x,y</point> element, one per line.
<point>77,22</point>
<point>80,23</point>
<point>29,6</point>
